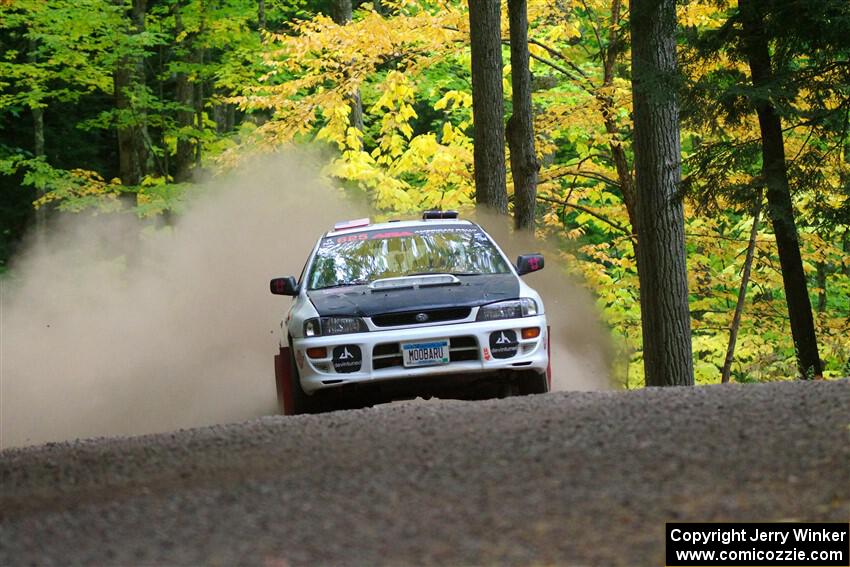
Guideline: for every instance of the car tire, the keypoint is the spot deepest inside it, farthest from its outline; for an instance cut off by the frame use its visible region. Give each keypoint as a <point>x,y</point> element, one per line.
<point>508,389</point>
<point>302,402</point>
<point>533,382</point>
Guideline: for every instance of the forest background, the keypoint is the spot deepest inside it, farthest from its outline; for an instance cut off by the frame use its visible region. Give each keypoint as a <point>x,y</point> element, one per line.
<point>125,106</point>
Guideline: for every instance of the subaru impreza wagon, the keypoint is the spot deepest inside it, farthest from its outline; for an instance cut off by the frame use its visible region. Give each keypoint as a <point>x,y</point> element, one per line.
<point>407,309</point>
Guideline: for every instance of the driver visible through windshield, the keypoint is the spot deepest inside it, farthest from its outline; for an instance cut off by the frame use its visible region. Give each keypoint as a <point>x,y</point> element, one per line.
<point>364,257</point>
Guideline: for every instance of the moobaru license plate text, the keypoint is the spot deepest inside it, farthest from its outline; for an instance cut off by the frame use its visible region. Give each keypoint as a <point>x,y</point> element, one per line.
<point>423,354</point>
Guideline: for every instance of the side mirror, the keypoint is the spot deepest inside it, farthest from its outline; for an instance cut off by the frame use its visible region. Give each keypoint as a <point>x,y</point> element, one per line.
<point>284,286</point>
<point>528,263</point>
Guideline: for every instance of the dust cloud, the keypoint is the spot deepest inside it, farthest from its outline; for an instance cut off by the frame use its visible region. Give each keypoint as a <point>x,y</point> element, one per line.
<point>113,327</point>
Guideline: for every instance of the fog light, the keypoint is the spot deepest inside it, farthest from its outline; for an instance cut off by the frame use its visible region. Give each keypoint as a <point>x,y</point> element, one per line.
<point>531,332</point>
<point>317,352</point>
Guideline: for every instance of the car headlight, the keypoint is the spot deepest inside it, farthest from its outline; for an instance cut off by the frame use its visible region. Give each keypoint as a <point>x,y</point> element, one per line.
<point>321,326</point>
<point>312,328</point>
<point>513,309</point>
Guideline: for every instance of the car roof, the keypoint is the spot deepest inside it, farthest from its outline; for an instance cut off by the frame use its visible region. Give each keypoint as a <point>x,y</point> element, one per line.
<point>392,225</point>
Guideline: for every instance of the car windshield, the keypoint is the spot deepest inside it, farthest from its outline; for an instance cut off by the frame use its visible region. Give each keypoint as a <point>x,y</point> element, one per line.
<point>363,257</point>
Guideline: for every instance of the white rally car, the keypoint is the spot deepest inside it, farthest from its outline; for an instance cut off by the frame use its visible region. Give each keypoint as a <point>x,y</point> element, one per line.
<point>409,308</point>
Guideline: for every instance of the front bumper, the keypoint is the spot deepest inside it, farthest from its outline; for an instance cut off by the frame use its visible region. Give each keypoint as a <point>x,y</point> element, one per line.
<point>470,353</point>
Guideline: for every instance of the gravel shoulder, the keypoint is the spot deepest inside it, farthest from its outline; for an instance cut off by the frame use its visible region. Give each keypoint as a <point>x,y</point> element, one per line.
<point>563,478</point>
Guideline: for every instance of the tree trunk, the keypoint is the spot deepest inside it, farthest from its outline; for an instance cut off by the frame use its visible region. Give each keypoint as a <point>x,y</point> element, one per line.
<point>520,130</point>
<point>199,109</point>
<point>780,208</point>
<point>133,155</point>
<point>261,15</point>
<point>624,172</point>
<point>185,116</point>
<point>488,104</point>
<point>742,295</point>
<point>341,14</point>
<point>609,110</point>
<point>38,149</point>
<point>821,279</point>
<point>355,119</point>
<point>341,11</point>
<point>844,181</point>
<point>38,135</point>
<point>224,116</point>
<point>667,354</point>
<point>38,131</point>
<point>184,158</point>
<point>200,55</point>
<point>163,144</point>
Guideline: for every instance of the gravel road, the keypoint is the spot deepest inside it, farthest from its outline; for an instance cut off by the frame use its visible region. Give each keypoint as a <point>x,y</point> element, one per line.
<point>563,478</point>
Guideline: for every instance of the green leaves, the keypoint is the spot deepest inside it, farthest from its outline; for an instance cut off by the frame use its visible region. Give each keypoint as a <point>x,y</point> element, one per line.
<point>294,83</point>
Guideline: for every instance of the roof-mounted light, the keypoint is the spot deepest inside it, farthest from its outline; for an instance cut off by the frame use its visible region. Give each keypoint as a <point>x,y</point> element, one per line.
<point>356,223</point>
<point>436,214</point>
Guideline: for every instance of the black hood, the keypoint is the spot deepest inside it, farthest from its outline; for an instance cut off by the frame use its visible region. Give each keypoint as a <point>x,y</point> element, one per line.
<point>361,301</point>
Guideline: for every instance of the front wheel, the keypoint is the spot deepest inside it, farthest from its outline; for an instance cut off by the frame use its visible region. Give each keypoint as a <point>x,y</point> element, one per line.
<point>533,382</point>
<point>301,401</point>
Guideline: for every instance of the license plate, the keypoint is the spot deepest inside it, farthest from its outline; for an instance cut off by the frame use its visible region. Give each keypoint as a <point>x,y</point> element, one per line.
<point>426,354</point>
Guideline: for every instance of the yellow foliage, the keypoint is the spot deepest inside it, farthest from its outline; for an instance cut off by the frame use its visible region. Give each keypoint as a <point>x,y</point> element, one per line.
<point>702,14</point>
<point>78,187</point>
<point>582,123</point>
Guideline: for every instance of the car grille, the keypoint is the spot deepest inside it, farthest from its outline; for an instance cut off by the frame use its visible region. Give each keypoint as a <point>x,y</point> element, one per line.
<point>409,317</point>
<point>388,355</point>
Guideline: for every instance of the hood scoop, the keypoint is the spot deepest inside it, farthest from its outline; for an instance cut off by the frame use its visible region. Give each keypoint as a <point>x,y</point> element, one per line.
<point>413,282</point>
